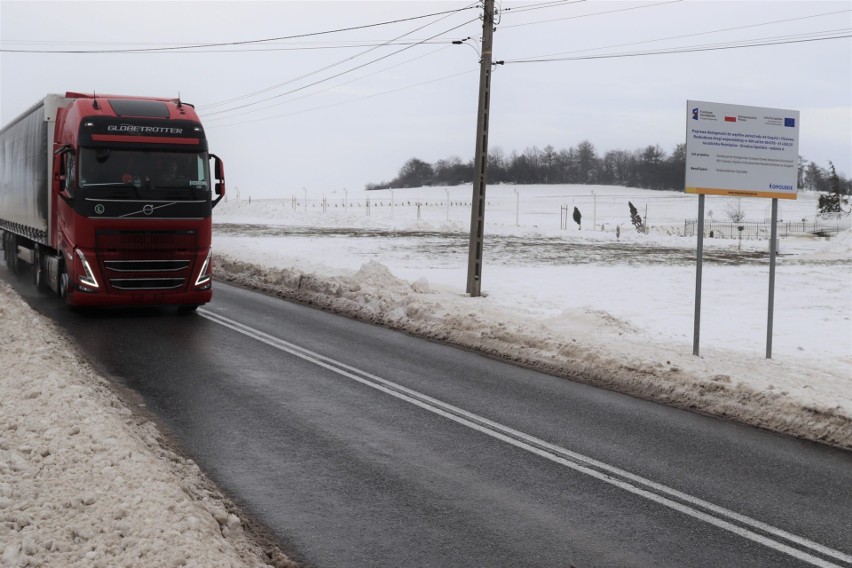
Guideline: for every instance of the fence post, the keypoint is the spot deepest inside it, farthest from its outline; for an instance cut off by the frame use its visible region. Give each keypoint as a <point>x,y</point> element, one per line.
<point>594,210</point>
<point>517,208</point>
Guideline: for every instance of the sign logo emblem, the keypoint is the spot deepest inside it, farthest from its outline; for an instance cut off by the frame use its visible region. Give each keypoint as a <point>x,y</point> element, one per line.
<point>148,209</point>
<point>99,209</point>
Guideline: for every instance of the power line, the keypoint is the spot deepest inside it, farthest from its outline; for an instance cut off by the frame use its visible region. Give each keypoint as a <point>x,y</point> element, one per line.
<point>318,47</point>
<point>543,5</point>
<point>314,93</point>
<point>340,62</point>
<point>590,15</point>
<point>758,42</point>
<point>700,33</point>
<point>325,79</point>
<point>689,49</point>
<point>308,44</point>
<point>341,103</point>
<point>233,43</point>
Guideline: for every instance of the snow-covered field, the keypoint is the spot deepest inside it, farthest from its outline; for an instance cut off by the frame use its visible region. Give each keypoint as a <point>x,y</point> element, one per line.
<point>604,304</point>
<point>85,481</point>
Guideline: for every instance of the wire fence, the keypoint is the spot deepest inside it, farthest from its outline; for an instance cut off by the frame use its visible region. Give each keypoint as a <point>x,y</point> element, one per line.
<point>666,211</point>
<point>762,230</point>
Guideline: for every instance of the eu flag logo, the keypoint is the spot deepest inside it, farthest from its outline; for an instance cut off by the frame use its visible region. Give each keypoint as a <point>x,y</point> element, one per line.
<point>790,122</point>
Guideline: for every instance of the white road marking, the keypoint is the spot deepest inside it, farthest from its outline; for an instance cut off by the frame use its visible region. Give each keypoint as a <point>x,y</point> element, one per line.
<point>656,492</point>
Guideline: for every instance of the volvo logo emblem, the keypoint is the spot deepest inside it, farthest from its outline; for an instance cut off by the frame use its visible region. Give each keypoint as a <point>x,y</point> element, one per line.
<point>148,209</point>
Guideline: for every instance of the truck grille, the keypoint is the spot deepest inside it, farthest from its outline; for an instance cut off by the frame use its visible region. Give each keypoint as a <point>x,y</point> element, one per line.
<point>147,283</point>
<point>146,265</point>
<point>133,261</point>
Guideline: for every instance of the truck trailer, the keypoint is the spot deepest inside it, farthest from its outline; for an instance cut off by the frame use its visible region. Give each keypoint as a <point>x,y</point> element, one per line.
<point>109,200</point>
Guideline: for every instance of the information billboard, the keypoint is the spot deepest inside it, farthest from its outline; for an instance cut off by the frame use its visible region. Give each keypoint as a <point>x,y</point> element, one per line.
<point>741,150</point>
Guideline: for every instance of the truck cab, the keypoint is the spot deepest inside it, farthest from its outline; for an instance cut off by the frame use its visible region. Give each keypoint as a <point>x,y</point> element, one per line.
<point>132,199</point>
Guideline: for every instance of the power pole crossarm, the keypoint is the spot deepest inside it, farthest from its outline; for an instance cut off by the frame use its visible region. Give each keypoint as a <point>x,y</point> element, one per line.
<point>477,212</point>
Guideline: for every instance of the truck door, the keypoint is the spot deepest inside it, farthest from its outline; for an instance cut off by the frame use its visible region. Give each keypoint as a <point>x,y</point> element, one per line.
<point>66,190</point>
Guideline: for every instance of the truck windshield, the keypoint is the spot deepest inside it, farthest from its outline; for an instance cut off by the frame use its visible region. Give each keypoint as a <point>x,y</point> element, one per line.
<point>130,173</point>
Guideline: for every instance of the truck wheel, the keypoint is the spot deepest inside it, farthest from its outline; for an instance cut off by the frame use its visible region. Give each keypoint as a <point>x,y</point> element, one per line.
<point>11,249</point>
<point>38,270</point>
<point>6,249</point>
<point>62,288</point>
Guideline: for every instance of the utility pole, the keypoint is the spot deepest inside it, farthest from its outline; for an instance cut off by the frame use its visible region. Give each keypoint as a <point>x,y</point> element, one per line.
<point>477,208</point>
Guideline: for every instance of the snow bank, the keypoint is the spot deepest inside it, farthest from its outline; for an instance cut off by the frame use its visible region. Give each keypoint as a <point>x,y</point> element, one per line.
<point>85,482</point>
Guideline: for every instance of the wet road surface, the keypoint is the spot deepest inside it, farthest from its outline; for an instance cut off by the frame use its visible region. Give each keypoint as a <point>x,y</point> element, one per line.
<point>360,446</point>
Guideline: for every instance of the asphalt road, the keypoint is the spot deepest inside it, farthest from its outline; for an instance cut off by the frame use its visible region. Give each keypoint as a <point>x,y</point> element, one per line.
<point>360,446</point>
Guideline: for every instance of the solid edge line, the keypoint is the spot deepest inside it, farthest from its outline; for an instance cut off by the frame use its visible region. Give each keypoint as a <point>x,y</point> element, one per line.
<point>552,452</point>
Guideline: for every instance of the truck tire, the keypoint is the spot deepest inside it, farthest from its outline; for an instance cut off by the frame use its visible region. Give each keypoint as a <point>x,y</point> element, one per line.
<point>38,270</point>
<point>62,285</point>
<point>10,247</point>
<point>6,249</point>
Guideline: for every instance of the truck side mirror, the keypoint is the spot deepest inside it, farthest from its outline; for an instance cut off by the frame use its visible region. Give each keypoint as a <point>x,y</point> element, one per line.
<point>218,178</point>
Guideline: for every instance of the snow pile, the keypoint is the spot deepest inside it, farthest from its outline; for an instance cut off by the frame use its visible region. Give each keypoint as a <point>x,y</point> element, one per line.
<point>84,482</point>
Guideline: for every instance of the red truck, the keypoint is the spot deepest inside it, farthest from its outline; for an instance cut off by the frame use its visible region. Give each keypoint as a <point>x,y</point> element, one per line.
<point>109,199</point>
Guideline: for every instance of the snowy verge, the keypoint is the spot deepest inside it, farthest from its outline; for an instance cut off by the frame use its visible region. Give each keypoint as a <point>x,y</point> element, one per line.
<point>86,482</point>
<point>769,394</point>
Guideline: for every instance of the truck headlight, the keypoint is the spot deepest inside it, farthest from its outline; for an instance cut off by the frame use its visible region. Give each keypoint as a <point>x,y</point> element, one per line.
<point>204,275</point>
<point>88,277</point>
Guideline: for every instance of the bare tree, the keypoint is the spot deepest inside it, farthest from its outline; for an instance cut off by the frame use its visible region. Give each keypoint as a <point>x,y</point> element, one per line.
<point>734,211</point>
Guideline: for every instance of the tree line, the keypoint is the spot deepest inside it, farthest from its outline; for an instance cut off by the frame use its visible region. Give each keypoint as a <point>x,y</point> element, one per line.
<point>648,168</point>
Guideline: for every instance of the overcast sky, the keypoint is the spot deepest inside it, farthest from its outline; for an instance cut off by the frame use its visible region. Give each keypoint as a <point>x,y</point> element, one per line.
<point>328,111</point>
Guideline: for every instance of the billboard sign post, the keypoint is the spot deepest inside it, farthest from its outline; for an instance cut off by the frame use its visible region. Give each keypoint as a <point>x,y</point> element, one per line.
<point>741,151</point>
